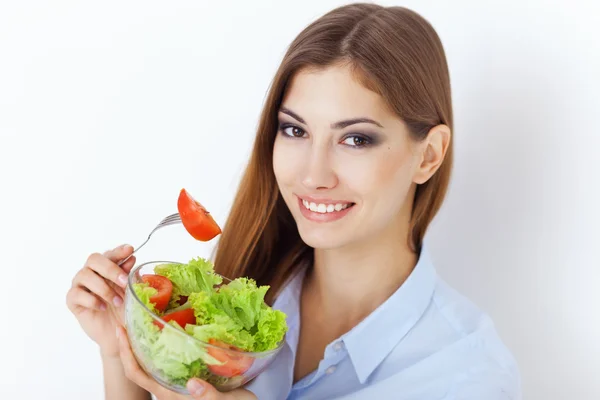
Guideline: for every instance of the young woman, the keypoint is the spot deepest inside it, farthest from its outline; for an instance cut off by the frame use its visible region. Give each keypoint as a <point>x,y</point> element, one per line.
<point>351,162</point>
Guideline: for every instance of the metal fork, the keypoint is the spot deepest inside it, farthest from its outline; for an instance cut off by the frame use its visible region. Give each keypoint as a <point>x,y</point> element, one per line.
<point>170,220</point>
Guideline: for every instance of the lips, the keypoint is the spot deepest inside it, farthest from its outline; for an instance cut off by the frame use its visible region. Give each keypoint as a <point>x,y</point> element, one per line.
<point>323,208</point>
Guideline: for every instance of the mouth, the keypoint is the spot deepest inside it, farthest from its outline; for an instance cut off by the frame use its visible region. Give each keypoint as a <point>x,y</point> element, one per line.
<point>324,210</point>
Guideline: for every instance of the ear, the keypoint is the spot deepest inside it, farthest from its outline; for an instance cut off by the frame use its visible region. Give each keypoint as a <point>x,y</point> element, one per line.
<point>432,152</point>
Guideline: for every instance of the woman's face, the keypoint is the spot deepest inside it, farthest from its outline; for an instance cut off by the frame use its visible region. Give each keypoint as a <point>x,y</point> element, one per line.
<point>344,162</point>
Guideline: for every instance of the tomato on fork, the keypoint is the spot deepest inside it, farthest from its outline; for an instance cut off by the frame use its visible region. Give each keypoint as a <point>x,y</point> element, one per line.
<point>195,218</point>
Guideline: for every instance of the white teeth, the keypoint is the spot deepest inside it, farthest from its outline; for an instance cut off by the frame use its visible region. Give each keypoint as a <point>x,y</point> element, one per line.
<point>324,208</point>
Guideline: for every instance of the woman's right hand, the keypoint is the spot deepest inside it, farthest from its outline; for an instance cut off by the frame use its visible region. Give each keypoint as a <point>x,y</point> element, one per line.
<point>96,297</point>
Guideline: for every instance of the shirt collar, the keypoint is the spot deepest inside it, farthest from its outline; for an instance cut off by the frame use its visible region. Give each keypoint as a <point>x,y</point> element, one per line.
<point>370,342</point>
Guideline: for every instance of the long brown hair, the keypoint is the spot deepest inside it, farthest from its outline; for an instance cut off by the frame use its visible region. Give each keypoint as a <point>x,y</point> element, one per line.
<point>394,52</point>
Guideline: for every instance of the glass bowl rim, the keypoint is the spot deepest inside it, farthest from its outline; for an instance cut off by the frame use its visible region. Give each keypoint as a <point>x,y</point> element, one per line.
<point>166,325</point>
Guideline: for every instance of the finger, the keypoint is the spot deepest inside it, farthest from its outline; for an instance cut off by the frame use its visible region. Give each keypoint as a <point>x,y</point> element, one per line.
<point>200,389</point>
<point>119,253</point>
<point>90,280</point>
<point>132,369</point>
<point>108,269</point>
<point>118,289</point>
<point>126,267</point>
<point>78,297</point>
<point>128,264</point>
<point>114,256</point>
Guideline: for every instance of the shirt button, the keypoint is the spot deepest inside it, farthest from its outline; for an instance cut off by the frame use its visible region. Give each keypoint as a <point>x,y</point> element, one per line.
<point>337,346</point>
<point>330,370</point>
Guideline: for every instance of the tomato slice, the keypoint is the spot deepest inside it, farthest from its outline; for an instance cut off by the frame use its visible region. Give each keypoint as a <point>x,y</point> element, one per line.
<point>164,287</point>
<point>182,317</point>
<point>234,364</point>
<point>196,220</point>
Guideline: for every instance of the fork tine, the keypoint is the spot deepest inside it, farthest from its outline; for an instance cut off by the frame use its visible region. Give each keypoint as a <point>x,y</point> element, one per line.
<point>175,215</point>
<point>169,220</point>
<point>172,217</point>
<point>168,223</point>
<point>164,221</point>
<point>162,225</point>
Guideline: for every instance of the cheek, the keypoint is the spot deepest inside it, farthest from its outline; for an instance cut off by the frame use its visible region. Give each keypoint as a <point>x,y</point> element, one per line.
<point>395,169</point>
<point>378,173</point>
<point>286,163</point>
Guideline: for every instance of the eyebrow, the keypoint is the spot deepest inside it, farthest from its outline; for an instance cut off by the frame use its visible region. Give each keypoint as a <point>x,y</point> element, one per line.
<point>337,125</point>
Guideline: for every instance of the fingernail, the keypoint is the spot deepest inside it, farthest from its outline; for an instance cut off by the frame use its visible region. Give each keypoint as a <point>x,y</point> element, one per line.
<point>117,301</point>
<point>102,307</point>
<point>123,279</point>
<point>127,247</point>
<point>117,333</point>
<point>195,387</point>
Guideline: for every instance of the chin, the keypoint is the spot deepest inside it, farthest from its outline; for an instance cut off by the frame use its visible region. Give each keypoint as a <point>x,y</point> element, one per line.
<point>324,239</point>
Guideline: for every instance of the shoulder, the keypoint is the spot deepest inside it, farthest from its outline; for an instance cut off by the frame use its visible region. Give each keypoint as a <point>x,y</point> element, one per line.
<point>485,367</point>
<point>460,312</point>
<point>452,352</point>
<point>468,323</point>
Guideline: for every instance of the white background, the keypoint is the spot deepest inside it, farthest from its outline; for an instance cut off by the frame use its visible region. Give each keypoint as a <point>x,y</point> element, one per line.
<point>108,108</point>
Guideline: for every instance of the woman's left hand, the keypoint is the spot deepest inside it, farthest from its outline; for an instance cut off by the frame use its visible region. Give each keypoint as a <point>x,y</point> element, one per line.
<point>198,388</point>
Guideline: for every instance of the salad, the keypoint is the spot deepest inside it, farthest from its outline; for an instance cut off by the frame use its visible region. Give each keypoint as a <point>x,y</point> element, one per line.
<point>208,317</point>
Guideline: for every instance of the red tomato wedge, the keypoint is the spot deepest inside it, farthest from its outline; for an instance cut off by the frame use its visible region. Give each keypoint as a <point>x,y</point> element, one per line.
<point>234,364</point>
<point>182,317</point>
<point>163,286</point>
<point>196,220</point>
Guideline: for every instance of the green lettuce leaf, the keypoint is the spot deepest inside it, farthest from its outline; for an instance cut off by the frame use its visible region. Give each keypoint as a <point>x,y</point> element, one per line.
<point>195,276</point>
<point>242,300</point>
<point>271,329</point>
<point>140,322</point>
<point>237,315</point>
<point>225,330</point>
<point>144,291</point>
<point>176,354</point>
<point>214,323</point>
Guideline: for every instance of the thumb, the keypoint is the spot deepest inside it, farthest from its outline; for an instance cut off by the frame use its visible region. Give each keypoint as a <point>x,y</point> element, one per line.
<point>200,389</point>
<point>203,390</point>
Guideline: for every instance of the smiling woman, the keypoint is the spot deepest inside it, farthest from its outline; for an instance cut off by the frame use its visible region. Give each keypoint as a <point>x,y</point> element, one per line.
<point>350,164</point>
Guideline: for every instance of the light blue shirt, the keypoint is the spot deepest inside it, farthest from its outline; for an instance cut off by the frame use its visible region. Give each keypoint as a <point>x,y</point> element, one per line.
<point>426,342</point>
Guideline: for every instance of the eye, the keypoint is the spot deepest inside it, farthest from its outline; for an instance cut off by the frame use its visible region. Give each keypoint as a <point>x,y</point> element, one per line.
<point>356,141</point>
<point>292,130</point>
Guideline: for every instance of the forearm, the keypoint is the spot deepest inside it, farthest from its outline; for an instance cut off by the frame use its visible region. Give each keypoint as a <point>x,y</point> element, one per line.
<point>116,385</point>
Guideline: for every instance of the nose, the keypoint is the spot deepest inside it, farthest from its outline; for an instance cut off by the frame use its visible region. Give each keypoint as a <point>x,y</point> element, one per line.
<point>319,173</point>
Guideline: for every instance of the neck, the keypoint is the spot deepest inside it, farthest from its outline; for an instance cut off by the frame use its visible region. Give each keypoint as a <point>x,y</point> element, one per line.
<point>349,283</point>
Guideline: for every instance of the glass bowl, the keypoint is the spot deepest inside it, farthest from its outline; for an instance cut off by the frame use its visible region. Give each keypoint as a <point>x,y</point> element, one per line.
<point>172,356</point>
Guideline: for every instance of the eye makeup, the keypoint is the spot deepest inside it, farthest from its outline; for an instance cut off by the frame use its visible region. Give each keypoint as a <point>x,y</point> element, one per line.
<point>356,140</point>
<point>360,139</point>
